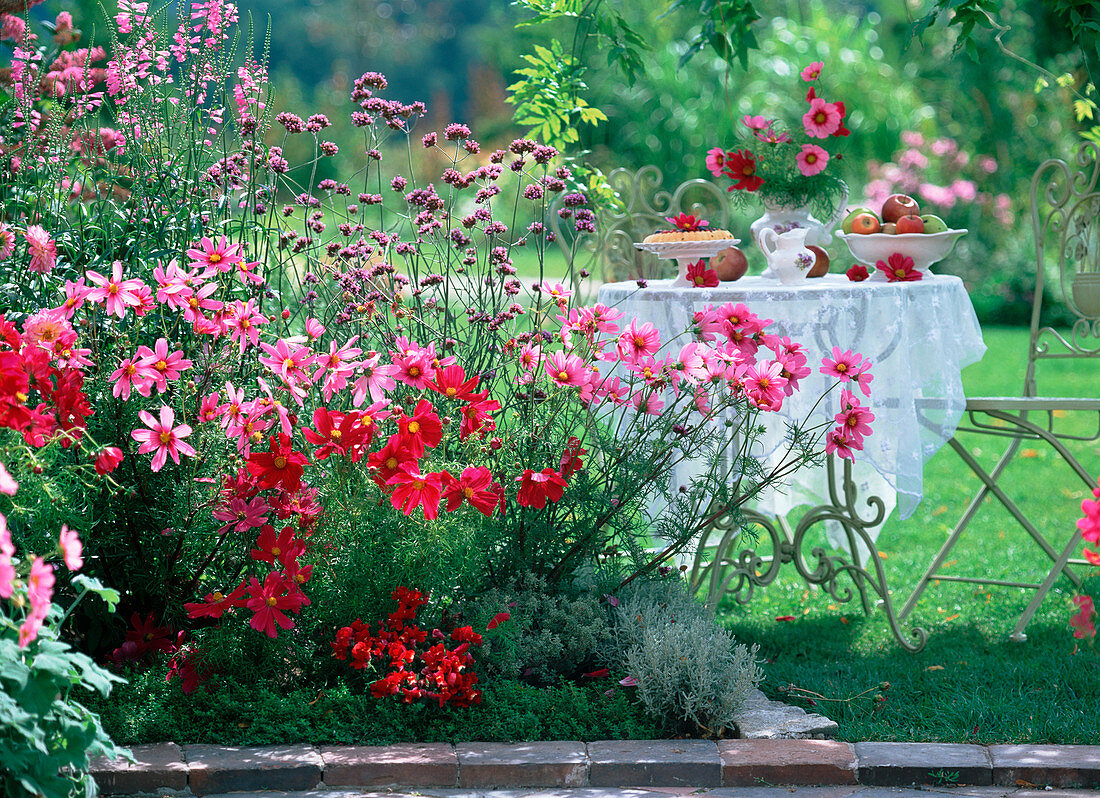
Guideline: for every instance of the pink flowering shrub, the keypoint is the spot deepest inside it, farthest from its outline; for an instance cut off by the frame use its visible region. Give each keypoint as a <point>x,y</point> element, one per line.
<point>306,395</point>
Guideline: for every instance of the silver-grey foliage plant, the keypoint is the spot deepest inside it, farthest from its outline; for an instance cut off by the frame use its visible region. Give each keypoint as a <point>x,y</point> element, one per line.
<point>690,673</point>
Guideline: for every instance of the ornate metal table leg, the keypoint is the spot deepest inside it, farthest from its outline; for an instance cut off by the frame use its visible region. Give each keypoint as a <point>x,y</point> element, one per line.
<point>739,575</point>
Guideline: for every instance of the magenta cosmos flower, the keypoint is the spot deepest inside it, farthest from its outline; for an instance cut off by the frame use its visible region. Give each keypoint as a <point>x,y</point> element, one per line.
<point>813,71</point>
<point>162,437</point>
<point>117,294</point>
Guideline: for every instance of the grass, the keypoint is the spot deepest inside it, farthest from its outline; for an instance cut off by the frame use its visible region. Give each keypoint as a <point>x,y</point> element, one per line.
<point>971,683</point>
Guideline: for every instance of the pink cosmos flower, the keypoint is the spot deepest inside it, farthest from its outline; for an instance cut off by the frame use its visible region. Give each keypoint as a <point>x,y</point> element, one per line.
<point>813,71</point>
<point>836,442</point>
<point>219,257</point>
<point>336,366</point>
<point>639,341</point>
<point>40,591</point>
<point>716,161</point>
<point>71,548</point>
<point>854,419</point>
<point>822,120</point>
<point>243,323</point>
<point>162,365</point>
<point>131,375</point>
<point>314,329</point>
<point>1083,622</point>
<point>173,285</point>
<point>647,402</point>
<point>794,370</point>
<point>43,250</point>
<point>556,291</point>
<point>566,369</point>
<point>162,437</point>
<point>288,360</point>
<point>842,365</point>
<point>812,159</point>
<point>755,122</point>
<point>116,293</point>
<point>8,486</point>
<point>414,367</point>
<point>764,385</point>
<point>374,379</point>
<point>7,551</point>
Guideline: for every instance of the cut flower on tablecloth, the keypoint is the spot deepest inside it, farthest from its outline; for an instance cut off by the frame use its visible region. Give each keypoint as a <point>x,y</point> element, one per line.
<point>787,165</point>
<point>899,268</point>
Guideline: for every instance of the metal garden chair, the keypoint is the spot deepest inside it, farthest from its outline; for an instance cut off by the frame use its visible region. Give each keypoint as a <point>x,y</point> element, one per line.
<point>1065,216</point>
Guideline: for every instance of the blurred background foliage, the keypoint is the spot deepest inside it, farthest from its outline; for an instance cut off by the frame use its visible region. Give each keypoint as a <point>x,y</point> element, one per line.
<point>951,83</point>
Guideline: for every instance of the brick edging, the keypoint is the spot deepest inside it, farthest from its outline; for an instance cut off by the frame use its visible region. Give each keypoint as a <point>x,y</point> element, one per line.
<point>206,769</point>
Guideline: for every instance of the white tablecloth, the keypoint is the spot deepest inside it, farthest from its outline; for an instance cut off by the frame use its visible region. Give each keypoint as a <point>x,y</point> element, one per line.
<point>919,336</point>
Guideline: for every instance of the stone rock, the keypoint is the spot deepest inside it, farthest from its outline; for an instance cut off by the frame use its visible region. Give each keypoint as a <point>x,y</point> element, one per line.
<point>764,719</point>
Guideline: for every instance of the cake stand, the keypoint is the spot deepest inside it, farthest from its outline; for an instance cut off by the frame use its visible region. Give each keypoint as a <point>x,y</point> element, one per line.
<point>686,253</point>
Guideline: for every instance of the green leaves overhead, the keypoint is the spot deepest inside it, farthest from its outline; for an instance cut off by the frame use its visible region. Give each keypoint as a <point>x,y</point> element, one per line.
<point>726,29</point>
<point>547,98</point>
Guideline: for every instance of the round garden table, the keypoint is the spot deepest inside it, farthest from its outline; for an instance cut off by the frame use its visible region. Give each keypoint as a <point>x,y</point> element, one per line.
<point>919,336</point>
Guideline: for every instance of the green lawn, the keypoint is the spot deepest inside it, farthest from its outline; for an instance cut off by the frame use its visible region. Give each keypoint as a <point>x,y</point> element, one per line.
<point>970,683</point>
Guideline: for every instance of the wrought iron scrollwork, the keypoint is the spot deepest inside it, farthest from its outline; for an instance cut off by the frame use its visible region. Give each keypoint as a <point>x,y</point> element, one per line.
<point>722,570</point>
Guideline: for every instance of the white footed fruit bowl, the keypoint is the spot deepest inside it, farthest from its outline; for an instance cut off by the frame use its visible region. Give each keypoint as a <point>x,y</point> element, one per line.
<point>924,248</point>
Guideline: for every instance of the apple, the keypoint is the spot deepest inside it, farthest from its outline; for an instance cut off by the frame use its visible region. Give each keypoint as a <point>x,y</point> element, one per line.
<point>821,262</point>
<point>890,228</point>
<point>898,205</point>
<point>933,223</point>
<point>865,223</point>
<point>910,224</point>
<point>846,225</point>
<point>730,264</point>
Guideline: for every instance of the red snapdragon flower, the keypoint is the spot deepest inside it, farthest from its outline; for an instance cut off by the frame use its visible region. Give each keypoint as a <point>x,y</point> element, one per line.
<point>279,467</point>
<point>538,487</point>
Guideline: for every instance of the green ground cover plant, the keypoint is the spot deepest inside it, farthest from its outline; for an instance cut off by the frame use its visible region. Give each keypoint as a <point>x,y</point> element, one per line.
<point>971,683</point>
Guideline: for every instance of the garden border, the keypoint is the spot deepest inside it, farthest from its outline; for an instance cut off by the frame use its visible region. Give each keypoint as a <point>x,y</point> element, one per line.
<point>206,769</point>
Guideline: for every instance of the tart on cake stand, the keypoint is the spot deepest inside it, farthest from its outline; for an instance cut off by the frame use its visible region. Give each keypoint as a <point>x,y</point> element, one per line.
<point>686,253</point>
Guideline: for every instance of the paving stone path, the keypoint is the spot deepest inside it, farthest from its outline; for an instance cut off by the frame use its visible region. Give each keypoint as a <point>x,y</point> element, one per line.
<point>723,792</point>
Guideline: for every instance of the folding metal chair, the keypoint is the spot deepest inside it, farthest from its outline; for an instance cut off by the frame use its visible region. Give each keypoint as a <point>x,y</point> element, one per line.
<point>1065,206</point>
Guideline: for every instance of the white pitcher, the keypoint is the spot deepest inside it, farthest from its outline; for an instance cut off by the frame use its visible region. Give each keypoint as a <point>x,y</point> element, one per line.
<point>788,257</point>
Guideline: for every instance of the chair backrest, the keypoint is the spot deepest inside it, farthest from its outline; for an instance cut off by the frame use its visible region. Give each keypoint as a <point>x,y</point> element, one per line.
<point>1065,215</point>
<point>643,205</point>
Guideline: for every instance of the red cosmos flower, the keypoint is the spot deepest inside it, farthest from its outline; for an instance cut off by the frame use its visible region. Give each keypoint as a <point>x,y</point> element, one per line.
<point>279,467</point>
<point>571,458</point>
<point>498,619</point>
<point>700,276</point>
<point>269,600</point>
<point>687,222</point>
<point>411,489</point>
<point>107,460</point>
<point>338,432</point>
<point>283,548</point>
<point>451,382</point>
<point>387,460</point>
<point>147,636</point>
<point>216,603</point>
<point>474,486</point>
<point>536,488</point>
<point>422,430</point>
<point>477,415</point>
<point>899,269</point>
<point>857,273</point>
<point>740,167</point>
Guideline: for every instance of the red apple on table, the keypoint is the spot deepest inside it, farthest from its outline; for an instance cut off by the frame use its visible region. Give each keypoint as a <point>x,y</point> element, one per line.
<point>910,224</point>
<point>821,261</point>
<point>730,264</point>
<point>898,205</point>
<point>865,223</point>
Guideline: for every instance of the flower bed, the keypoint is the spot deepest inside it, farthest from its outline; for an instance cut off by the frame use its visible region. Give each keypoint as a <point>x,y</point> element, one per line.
<point>269,412</point>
